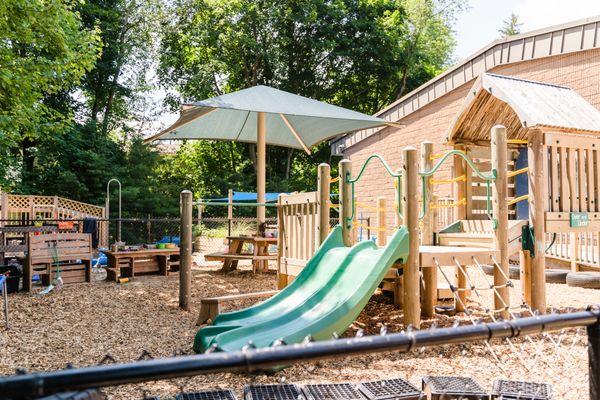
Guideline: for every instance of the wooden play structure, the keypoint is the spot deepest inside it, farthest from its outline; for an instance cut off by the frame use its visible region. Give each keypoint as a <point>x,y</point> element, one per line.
<point>517,187</point>
<point>542,185</point>
<point>68,255</point>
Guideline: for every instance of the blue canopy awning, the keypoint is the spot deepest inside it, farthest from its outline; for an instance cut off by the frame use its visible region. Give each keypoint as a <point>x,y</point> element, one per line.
<point>248,196</point>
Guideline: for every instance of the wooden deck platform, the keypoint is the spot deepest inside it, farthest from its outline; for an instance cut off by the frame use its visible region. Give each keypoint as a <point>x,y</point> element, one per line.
<point>448,255</point>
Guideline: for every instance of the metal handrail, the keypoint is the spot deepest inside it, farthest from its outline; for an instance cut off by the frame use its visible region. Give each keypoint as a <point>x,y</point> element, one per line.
<point>388,169</point>
<point>367,161</point>
<point>488,178</point>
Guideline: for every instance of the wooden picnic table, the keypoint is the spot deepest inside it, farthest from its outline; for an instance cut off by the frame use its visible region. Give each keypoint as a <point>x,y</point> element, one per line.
<point>127,264</point>
<point>260,255</point>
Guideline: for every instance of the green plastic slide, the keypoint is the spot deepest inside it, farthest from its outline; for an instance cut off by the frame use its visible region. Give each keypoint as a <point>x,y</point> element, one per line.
<point>326,297</point>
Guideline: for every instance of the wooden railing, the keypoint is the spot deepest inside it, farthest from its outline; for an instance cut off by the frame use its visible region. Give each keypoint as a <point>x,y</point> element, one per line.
<point>298,223</point>
<point>580,250</point>
<point>573,189</point>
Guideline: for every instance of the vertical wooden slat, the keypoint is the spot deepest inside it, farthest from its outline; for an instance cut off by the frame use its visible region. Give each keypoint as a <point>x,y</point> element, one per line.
<point>596,160</point>
<point>589,173</point>
<point>565,204</point>
<point>581,180</point>
<point>554,180</point>
<point>572,180</point>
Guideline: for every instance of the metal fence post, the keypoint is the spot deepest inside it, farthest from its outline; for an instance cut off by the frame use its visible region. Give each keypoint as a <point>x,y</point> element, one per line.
<point>593,334</point>
<point>185,250</point>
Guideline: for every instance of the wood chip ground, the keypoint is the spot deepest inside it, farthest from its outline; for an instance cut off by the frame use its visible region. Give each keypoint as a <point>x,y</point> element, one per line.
<point>82,323</point>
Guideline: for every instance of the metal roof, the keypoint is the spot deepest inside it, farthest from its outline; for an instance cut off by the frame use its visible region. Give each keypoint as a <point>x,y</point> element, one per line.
<point>555,40</point>
<point>520,104</point>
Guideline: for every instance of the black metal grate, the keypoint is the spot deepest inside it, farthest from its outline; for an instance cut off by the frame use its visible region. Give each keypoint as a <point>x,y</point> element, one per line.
<point>271,392</point>
<point>335,391</point>
<point>207,395</point>
<point>441,387</point>
<point>389,389</point>
<point>522,390</point>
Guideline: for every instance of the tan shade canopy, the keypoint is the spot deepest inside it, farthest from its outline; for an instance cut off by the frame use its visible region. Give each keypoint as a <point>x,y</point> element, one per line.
<point>291,120</point>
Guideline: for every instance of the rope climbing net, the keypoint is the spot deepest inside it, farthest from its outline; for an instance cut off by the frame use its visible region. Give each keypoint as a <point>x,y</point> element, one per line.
<point>474,294</point>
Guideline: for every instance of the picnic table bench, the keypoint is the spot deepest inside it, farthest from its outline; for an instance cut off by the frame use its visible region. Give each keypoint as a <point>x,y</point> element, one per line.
<point>260,255</point>
<point>127,264</point>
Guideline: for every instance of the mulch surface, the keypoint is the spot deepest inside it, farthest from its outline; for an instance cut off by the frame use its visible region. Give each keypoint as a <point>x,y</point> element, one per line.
<point>83,323</point>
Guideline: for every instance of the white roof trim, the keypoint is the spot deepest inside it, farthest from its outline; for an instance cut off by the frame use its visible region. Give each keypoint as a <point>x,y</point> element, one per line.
<point>555,40</point>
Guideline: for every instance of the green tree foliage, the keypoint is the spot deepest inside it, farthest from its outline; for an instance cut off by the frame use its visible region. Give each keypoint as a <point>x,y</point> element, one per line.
<point>76,79</point>
<point>44,50</point>
<point>511,26</point>
<point>359,54</point>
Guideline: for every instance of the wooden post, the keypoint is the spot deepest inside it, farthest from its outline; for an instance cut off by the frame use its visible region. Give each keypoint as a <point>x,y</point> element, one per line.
<point>500,213</point>
<point>537,199</point>
<point>282,279</point>
<point>460,187</point>
<point>525,261</point>
<point>410,210</point>
<point>429,295</point>
<point>55,207</point>
<point>346,200</point>
<point>185,250</point>
<point>261,157</point>
<point>230,211</point>
<point>323,201</point>
<point>461,283</point>
<point>574,250</point>
<point>381,232</point>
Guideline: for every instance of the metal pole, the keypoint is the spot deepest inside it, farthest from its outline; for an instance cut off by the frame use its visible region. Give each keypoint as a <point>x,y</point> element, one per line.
<point>108,205</point>
<point>185,250</point>
<point>593,333</point>
<point>229,212</point>
<point>5,293</point>
<point>45,383</point>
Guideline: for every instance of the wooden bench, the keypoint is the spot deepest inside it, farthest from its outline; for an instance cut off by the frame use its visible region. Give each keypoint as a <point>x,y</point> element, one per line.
<point>69,253</point>
<point>127,264</point>
<point>210,307</point>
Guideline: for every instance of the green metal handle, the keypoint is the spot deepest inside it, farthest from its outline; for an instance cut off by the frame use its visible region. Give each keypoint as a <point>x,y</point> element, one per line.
<point>367,161</point>
<point>493,174</point>
<point>388,169</point>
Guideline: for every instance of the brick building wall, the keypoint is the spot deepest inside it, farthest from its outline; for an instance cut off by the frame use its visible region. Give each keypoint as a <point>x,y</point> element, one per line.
<point>579,71</point>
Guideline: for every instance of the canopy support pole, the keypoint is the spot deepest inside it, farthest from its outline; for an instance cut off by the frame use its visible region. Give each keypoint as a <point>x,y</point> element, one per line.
<point>261,158</point>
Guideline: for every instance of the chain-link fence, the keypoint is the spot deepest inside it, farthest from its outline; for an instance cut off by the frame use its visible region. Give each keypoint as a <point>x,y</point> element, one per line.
<point>540,357</point>
<point>210,234</point>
